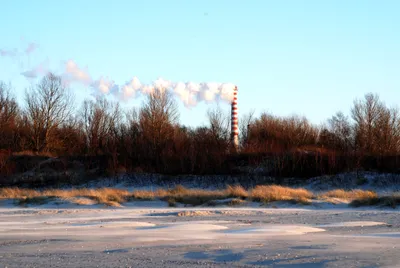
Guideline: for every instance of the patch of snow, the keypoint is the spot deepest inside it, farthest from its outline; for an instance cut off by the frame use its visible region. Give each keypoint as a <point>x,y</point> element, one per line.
<point>352,224</point>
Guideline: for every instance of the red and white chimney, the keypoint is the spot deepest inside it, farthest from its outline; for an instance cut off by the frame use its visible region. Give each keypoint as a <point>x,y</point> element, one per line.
<point>234,121</point>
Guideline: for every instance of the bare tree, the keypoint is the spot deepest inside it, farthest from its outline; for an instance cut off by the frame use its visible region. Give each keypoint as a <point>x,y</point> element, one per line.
<point>48,105</point>
<point>100,122</point>
<point>244,126</point>
<point>8,105</point>
<point>219,123</point>
<point>129,136</point>
<point>365,113</point>
<point>157,119</point>
<point>70,137</point>
<point>160,108</point>
<point>341,129</point>
<point>132,117</point>
<point>8,114</point>
<point>276,134</point>
<point>373,120</point>
<point>387,132</point>
<point>132,129</point>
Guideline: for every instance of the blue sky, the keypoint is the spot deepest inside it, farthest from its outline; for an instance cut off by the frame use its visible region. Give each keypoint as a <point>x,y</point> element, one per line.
<point>311,58</point>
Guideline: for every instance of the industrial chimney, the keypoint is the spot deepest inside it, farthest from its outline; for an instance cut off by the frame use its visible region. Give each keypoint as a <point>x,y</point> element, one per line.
<point>234,121</point>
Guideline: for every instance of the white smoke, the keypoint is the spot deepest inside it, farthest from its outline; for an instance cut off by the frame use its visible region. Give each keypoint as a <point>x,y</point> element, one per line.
<point>31,47</point>
<point>226,91</point>
<point>8,53</point>
<point>73,73</point>
<point>12,53</point>
<point>105,85</point>
<point>190,92</point>
<point>130,88</point>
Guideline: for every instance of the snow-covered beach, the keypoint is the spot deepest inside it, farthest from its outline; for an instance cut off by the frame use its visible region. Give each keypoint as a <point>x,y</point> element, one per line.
<point>148,234</point>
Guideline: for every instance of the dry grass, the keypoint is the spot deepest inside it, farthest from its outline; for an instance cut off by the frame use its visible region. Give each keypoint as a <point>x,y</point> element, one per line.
<point>237,191</point>
<point>106,196</point>
<point>12,193</point>
<point>149,195</point>
<point>194,197</point>
<point>234,195</point>
<point>273,193</point>
<point>348,195</point>
<point>180,194</point>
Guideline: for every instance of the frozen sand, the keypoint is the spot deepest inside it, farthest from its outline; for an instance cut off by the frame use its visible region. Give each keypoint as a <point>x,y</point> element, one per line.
<point>206,237</point>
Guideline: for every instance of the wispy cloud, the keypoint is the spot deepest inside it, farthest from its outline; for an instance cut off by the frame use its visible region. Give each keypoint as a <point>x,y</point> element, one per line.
<point>31,48</point>
<point>8,53</point>
<point>39,70</point>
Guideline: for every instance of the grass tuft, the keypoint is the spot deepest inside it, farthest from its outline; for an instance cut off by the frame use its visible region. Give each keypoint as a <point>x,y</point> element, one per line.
<point>348,195</point>
<point>13,193</point>
<point>271,193</point>
<point>106,196</point>
<point>237,191</point>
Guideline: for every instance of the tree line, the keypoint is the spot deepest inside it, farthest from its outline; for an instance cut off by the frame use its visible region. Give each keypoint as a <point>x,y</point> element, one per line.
<point>150,138</point>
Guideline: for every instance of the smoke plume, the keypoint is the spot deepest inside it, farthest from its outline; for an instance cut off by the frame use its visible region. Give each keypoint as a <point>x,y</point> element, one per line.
<point>189,92</point>
<point>31,48</point>
<point>15,52</point>
<point>8,53</point>
<point>74,73</point>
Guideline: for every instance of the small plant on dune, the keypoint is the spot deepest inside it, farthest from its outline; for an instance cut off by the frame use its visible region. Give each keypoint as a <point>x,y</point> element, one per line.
<point>348,195</point>
<point>194,197</point>
<point>237,191</point>
<point>106,196</point>
<point>11,193</point>
<point>273,193</point>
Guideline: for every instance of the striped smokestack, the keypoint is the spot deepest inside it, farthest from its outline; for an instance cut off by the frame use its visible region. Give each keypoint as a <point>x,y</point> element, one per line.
<point>234,121</point>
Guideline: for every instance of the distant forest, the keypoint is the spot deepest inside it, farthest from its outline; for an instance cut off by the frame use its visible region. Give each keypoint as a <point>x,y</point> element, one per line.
<point>150,138</point>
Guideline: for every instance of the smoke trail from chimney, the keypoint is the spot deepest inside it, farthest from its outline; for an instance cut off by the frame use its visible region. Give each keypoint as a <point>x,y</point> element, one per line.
<point>190,93</point>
